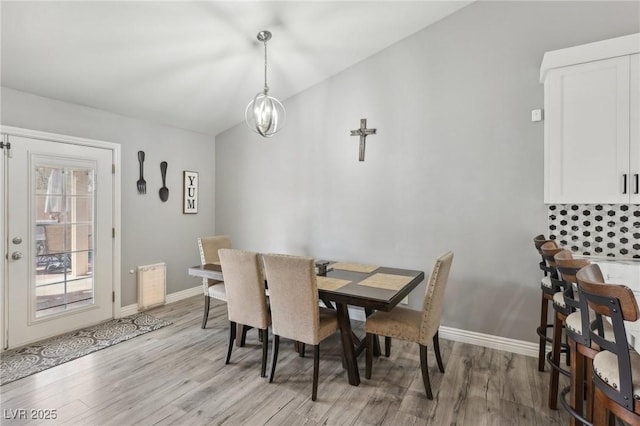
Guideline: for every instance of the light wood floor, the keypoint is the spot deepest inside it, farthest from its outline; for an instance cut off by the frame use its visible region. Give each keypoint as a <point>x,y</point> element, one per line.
<point>176,375</point>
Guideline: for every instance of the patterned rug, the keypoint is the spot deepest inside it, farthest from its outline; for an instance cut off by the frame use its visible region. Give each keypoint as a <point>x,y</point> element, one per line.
<point>22,362</point>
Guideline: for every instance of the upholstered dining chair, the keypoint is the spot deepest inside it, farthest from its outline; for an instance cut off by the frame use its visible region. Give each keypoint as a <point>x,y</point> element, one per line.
<point>295,313</point>
<point>414,326</point>
<point>616,368</point>
<point>246,299</point>
<point>209,247</point>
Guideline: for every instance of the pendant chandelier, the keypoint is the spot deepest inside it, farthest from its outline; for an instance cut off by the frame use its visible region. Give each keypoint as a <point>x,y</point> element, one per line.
<point>265,114</point>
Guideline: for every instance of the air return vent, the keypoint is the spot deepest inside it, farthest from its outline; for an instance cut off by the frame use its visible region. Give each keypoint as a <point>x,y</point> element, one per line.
<point>152,285</point>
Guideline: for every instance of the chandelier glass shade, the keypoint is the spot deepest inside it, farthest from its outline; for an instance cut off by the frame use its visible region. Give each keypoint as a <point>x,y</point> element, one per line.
<point>265,114</point>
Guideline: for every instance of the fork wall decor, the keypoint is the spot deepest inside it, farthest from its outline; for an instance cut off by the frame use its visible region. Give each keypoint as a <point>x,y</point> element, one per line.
<point>141,184</point>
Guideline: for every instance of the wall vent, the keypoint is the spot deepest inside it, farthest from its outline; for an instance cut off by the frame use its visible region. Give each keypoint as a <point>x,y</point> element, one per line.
<point>152,285</point>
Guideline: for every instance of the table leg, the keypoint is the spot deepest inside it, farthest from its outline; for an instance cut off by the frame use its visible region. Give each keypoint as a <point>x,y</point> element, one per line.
<point>347,344</point>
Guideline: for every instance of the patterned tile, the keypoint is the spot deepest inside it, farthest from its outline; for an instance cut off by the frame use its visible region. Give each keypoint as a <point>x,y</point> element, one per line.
<point>611,230</point>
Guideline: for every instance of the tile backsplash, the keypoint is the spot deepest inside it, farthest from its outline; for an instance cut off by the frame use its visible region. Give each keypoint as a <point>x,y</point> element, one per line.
<point>611,230</point>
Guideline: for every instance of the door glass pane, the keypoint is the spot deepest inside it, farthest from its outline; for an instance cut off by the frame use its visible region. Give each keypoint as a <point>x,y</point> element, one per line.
<point>64,224</point>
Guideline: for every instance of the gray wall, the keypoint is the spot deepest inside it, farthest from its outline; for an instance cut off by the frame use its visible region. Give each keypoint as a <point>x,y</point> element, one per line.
<point>456,164</point>
<point>152,231</point>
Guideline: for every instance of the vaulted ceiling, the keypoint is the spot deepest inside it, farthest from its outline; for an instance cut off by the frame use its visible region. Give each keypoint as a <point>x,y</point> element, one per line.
<point>193,64</point>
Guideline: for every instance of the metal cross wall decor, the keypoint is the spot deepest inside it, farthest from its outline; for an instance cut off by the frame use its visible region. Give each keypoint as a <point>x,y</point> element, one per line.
<point>363,132</point>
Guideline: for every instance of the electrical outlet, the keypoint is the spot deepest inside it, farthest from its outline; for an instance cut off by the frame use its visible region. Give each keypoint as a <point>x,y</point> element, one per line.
<point>405,301</point>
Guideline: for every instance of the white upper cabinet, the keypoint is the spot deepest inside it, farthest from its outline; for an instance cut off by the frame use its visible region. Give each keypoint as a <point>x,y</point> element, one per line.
<point>592,123</point>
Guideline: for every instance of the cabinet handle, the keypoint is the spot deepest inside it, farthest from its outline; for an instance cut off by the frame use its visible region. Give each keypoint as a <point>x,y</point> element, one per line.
<point>637,186</point>
<point>624,184</point>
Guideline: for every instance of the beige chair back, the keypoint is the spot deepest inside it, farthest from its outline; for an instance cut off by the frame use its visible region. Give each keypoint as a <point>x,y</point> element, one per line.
<point>434,297</point>
<point>293,296</point>
<point>209,246</point>
<point>246,299</point>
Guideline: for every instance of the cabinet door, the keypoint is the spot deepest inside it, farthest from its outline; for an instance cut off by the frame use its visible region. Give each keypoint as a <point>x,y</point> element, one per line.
<point>634,131</point>
<point>587,132</point>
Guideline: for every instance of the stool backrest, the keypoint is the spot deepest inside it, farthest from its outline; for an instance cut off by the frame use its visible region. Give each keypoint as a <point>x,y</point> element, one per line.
<point>618,303</point>
<point>538,241</point>
<point>549,250</point>
<point>567,268</point>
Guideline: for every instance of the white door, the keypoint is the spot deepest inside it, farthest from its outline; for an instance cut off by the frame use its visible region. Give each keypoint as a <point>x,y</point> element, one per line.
<point>59,204</point>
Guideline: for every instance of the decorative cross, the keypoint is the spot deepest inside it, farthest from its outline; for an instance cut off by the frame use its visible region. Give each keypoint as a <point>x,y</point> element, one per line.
<point>363,132</point>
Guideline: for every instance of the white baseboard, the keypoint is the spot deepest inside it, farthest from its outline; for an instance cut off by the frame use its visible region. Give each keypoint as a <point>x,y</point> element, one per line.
<point>479,339</point>
<point>357,314</point>
<point>184,294</point>
<point>490,341</point>
<point>171,298</point>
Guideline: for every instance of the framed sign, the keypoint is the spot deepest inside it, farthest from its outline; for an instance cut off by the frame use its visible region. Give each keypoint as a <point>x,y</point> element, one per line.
<point>190,185</point>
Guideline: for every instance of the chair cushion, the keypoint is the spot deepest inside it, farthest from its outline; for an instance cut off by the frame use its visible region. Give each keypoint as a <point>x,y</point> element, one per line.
<point>217,291</point>
<point>400,323</point>
<point>574,323</point>
<point>558,299</point>
<point>328,323</point>
<point>546,281</point>
<point>605,365</point>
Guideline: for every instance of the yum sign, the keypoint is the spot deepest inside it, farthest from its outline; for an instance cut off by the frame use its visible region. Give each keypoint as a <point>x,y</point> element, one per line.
<point>190,204</point>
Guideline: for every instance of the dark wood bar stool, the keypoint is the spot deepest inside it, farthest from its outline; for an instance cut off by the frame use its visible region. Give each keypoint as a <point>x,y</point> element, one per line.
<point>561,311</point>
<point>547,297</point>
<point>581,347</point>
<point>616,369</point>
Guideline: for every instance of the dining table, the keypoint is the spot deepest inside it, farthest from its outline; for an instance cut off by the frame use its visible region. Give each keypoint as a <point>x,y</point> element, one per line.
<point>344,284</point>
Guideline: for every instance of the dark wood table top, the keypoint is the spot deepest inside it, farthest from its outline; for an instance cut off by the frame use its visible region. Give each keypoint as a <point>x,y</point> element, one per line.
<point>352,293</point>
<point>356,294</point>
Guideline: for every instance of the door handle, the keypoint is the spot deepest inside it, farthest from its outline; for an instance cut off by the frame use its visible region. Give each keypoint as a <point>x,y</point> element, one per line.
<point>16,255</point>
<point>624,183</point>
<point>637,188</point>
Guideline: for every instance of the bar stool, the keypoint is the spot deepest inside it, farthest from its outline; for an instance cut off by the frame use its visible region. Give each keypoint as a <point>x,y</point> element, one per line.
<point>561,311</point>
<point>616,369</point>
<point>581,347</point>
<point>547,297</point>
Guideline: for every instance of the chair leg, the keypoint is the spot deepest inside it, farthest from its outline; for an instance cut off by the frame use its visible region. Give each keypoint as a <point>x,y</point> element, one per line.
<point>588,374</point>
<point>599,408</point>
<point>302,349</point>
<point>387,346</point>
<point>425,371</point>
<point>544,315</point>
<point>232,337</point>
<point>555,357</point>
<point>369,354</point>
<point>274,356</point>
<point>205,317</point>
<point>316,367</point>
<point>243,338</point>
<point>576,395</point>
<point>264,336</point>
<point>436,349</point>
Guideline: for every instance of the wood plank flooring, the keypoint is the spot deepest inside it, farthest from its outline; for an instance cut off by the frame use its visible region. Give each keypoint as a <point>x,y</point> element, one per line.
<point>176,375</point>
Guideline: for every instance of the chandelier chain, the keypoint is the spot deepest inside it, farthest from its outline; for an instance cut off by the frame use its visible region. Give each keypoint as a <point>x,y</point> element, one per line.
<point>266,88</point>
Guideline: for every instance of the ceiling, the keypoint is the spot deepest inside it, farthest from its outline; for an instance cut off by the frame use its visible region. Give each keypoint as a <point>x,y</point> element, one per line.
<point>193,64</point>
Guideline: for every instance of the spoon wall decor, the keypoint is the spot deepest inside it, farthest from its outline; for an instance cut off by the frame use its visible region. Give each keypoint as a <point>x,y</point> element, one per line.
<point>164,191</point>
